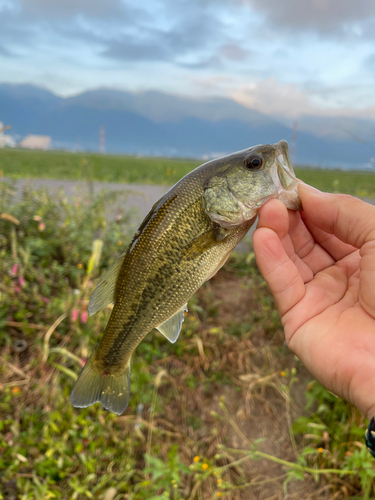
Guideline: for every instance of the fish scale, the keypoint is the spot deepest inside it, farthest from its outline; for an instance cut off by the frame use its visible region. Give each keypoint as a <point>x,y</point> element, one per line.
<point>184,240</point>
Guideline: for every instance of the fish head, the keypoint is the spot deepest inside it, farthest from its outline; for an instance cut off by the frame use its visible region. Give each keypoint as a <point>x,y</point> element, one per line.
<point>246,180</point>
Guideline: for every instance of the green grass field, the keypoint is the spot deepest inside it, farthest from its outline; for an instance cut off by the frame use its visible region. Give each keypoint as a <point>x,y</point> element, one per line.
<point>128,169</point>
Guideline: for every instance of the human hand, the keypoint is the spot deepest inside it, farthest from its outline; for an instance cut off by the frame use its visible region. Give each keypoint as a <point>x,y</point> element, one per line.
<point>320,267</point>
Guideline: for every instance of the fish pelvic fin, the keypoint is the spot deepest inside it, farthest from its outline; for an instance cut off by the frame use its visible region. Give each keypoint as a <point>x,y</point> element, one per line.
<point>172,327</point>
<point>92,385</point>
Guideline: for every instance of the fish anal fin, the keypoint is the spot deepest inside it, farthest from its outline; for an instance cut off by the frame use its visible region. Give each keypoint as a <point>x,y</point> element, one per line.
<point>111,390</point>
<point>172,327</point>
<point>104,292</point>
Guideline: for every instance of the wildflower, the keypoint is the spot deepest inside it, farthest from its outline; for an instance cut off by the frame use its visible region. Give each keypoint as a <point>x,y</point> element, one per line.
<point>119,243</point>
<point>17,289</point>
<point>16,390</point>
<point>219,481</point>
<point>46,300</point>
<point>204,466</point>
<point>21,281</point>
<point>320,450</point>
<point>219,493</point>
<point>79,265</point>
<point>37,218</point>
<point>196,459</point>
<point>75,314</point>
<point>14,269</point>
<point>84,317</point>
<point>282,373</point>
<point>41,226</point>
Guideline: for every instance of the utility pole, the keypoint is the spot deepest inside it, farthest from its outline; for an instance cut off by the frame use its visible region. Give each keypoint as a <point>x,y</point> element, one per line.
<point>102,139</point>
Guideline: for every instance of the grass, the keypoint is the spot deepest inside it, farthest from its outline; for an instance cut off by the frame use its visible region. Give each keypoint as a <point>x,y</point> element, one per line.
<point>87,166</point>
<point>220,413</point>
<point>127,169</point>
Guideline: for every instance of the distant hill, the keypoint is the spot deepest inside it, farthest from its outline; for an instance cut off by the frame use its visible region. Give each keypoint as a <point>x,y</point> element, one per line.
<point>153,123</point>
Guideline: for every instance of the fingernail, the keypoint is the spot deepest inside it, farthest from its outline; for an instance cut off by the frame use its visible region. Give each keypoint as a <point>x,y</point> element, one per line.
<point>303,185</point>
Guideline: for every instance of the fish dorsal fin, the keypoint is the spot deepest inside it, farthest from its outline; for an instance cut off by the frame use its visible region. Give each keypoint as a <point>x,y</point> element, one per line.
<point>172,327</point>
<point>105,289</point>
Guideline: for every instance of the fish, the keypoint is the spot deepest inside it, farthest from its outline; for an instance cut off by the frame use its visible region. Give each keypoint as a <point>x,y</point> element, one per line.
<point>184,240</point>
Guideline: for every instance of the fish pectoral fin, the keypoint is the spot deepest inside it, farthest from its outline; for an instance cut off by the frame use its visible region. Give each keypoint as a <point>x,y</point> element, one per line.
<point>105,289</point>
<point>172,327</point>
<point>200,244</point>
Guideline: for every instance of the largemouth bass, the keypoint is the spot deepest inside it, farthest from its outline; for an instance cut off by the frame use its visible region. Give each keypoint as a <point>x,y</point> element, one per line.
<point>183,241</point>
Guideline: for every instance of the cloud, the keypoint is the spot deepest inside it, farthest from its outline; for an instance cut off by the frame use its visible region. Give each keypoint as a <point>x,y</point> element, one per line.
<point>325,17</point>
<point>191,41</point>
<point>291,101</point>
<point>273,98</point>
<point>61,10</point>
<point>129,50</point>
<point>234,52</point>
<point>30,21</point>
<point>188,34</point>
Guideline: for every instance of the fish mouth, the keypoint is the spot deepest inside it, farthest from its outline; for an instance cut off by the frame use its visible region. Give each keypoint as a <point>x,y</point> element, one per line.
<point>285,179</point>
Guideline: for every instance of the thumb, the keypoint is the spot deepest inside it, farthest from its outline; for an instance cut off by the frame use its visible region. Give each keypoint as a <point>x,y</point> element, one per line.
<point>280,273</point>
<point>352,221</point>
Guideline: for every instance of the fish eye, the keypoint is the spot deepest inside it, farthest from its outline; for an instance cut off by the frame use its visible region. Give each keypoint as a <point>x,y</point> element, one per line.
<point>253,162</point>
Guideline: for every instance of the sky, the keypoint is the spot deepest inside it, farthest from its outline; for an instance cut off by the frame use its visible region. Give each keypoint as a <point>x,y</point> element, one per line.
<point>281,57</point>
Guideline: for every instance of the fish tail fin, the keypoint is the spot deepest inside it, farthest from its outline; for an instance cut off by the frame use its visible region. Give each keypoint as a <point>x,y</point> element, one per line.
<point>92,385</point>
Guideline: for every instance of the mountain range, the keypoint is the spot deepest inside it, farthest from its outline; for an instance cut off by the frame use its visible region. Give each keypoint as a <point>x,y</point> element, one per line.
<point>154,123</point>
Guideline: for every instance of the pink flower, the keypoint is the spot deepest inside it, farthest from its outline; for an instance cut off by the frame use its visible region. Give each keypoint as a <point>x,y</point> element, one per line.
<point>46,300</point>
<point>21,281</point>
<point>17,289</point>
<point>37,218</point>
<point>41,226</point>
<point>14,269</point>
<point>84,317</point>
<point>75,314</point>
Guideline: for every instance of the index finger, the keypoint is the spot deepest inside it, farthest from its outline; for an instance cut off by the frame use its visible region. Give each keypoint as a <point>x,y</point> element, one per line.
<point>347,217</point>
